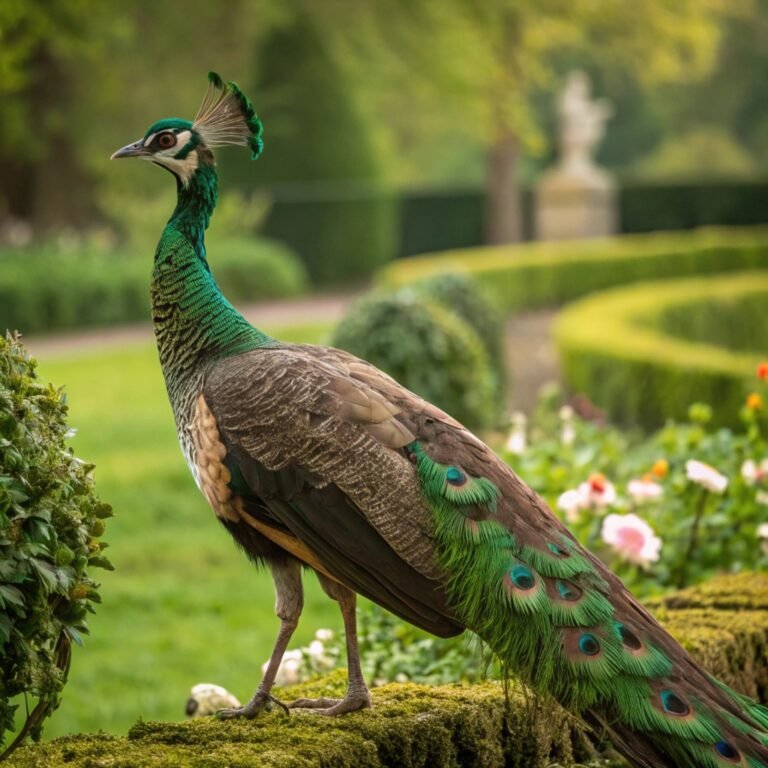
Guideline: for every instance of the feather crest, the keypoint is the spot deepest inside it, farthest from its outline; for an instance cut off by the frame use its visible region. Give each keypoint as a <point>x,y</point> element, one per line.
<point>226,116</point>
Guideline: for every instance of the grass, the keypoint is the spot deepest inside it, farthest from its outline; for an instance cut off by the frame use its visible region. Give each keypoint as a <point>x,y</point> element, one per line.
<point>183,605</point>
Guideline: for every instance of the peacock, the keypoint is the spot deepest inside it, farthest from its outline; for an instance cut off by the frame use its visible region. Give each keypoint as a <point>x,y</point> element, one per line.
<point>314,459</point>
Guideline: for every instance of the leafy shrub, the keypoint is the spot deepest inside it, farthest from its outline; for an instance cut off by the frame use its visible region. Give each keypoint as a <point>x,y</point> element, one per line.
<point>50,525</point>
<point>550,274</point>
<point>463,296</point>
<point>45,288</point>
<point>614,347</point>
<point>427,349</point>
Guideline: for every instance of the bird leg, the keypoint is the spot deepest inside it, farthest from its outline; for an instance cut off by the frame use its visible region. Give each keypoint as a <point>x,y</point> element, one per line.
<point>358,696</point>
<point>288,604</point>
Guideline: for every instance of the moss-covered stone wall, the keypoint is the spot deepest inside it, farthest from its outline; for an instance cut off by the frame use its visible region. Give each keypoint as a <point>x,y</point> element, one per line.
<point>723,623</point>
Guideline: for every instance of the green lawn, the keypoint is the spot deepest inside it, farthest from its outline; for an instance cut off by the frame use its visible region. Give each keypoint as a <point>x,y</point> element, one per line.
<point>184,605</point>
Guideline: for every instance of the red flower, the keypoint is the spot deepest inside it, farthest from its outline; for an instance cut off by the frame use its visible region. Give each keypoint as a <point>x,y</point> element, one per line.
<point>762,370</point>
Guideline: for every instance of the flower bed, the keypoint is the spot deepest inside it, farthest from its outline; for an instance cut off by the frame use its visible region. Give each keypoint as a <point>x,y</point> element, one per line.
<point>663,510</point>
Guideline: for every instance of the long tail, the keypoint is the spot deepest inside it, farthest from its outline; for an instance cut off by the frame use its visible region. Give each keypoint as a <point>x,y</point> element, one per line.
<point>567,626</point>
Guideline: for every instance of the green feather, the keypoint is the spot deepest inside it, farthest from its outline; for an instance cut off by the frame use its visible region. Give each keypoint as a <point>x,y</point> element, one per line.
<point>547,613</point>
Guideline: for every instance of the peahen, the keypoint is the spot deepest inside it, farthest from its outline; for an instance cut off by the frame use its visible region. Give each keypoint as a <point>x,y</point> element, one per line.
<point>313,458</point>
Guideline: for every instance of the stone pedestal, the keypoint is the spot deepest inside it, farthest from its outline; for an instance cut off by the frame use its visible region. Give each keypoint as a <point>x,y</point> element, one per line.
<point>576,199</point>
<point>573,204</point>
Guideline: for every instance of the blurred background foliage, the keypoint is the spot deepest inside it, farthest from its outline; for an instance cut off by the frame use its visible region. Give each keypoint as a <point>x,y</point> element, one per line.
<point>381,117</point>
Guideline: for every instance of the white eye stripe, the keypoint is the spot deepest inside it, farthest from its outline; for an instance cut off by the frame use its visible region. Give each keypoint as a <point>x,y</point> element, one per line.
<point>149,138</point>
<point>182,138</point>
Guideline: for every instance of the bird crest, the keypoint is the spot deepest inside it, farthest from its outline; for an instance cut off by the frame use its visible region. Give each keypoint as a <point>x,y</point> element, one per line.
<point>226,116</point>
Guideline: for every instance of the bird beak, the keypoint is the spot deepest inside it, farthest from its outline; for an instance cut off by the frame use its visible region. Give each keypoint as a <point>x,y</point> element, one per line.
<point>136,149</point>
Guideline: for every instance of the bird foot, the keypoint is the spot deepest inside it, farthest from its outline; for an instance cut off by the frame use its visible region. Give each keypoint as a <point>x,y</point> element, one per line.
<point>352,702</point>
<point>259,702</point>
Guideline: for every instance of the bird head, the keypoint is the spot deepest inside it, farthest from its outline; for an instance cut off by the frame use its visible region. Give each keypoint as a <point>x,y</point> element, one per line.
<point>226,116</point>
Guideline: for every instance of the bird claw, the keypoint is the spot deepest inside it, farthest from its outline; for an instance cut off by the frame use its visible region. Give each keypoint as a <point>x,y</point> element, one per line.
<point>352,702</point>
<point>259,702</point>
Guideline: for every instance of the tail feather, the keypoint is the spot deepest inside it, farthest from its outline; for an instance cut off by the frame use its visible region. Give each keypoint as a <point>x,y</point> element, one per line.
<point>559,619</point>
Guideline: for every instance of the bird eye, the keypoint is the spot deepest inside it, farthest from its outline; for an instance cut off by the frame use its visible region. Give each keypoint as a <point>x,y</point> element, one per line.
<point>166,140</point>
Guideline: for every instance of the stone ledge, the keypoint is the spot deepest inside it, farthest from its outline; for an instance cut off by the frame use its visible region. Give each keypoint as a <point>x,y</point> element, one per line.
<point>723,623</point>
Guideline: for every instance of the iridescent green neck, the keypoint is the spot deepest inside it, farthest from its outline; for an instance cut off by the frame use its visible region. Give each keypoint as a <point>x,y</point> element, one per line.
<point>195,325</point>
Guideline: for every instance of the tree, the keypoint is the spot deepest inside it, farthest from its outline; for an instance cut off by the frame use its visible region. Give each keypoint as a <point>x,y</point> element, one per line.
<point>473,66</point>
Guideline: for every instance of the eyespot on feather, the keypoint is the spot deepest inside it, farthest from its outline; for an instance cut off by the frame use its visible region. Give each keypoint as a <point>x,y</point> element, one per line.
<point>589,645</point>
<point>628,638</point>
<point>726,750</point>
<point>556,549</point>
<point>673,704</point>
<point>568,591</point>
<point>522,577</point>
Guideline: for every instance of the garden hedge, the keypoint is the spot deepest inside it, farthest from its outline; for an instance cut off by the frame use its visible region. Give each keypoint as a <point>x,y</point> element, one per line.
<point>723,623</point>
<point>614,346</point>
<point>45,289</point>
<point>535,275</point>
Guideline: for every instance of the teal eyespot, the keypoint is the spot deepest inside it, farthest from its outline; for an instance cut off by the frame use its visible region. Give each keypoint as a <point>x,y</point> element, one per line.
<point>455,476</point>
<point>629,638</point>
<point>555,549</point>
<point>673,704</point>
<point>522,577</point>
<point>569,592</point>
<point>589,645</point>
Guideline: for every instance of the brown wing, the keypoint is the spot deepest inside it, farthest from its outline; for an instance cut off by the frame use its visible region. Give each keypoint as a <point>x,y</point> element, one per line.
<point>320,453</point>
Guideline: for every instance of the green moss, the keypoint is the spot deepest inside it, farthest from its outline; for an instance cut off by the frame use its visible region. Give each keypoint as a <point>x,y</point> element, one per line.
<point>732,592</point>
<point>722,623</point>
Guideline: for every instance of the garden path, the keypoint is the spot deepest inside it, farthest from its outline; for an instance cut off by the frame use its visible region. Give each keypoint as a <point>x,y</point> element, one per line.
<point>530,353</point>
<point>531,357</point>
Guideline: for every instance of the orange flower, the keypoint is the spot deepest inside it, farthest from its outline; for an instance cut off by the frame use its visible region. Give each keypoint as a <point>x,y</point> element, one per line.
<point>660,468</point>
<point>762,370</point>
<point>754,402</point>
<point>597,482</point>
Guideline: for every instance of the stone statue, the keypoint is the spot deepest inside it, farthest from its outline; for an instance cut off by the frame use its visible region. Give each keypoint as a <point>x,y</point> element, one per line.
<point>577,199</point>
<point>582,123</point>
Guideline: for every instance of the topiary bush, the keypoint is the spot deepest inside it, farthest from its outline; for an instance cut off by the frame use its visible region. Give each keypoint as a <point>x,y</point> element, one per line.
<point>50,524</point>
<point>426,348</point>
<point>467,298</point>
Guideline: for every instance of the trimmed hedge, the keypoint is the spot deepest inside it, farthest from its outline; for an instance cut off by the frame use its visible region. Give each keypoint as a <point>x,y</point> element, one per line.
<point>614,347</point>
<point>550,274</point>
<point>45,290</point>
<point>723,624</point>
